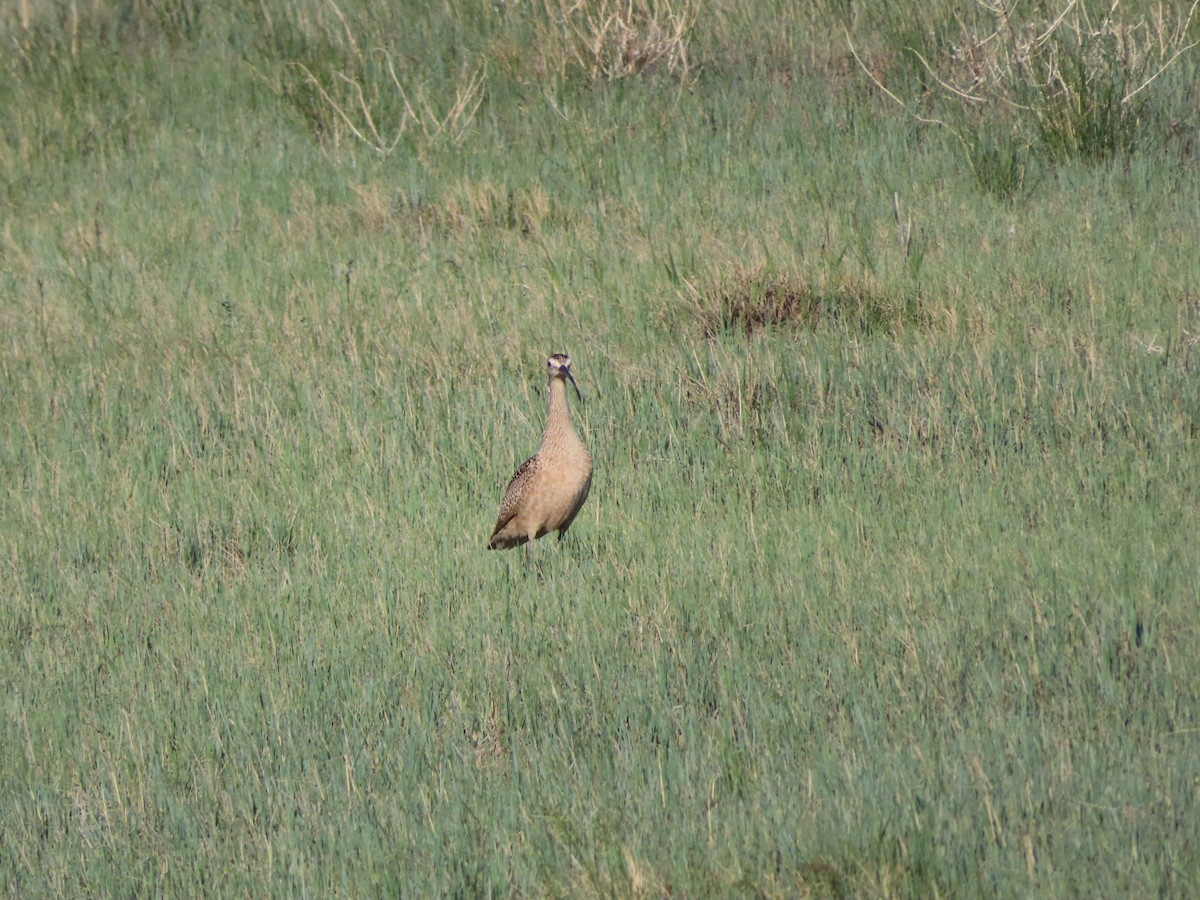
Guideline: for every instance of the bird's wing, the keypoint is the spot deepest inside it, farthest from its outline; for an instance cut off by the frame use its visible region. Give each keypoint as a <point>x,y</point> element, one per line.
<point>516,490</point>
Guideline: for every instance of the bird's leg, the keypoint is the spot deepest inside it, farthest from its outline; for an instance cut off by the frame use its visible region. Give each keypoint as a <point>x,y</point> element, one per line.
<point>532,566</point>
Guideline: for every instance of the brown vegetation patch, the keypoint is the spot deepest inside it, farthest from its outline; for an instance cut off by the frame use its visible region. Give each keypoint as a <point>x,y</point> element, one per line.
<point>608,40</point>
<point>750,301</point>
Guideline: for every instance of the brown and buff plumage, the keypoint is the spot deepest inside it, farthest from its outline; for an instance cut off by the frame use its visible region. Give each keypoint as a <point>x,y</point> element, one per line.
<point>548,490</point>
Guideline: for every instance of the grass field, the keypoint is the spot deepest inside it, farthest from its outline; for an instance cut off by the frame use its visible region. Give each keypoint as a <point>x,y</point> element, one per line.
<point>886,322</point>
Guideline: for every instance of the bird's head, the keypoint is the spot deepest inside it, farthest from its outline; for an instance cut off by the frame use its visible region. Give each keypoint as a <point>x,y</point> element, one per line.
<point>558,366</point>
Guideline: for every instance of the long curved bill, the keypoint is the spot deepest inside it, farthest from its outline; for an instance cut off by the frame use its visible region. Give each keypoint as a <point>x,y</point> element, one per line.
<point>574,385</point>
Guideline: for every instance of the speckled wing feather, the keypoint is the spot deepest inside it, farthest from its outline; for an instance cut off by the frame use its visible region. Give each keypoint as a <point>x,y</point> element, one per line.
<point>511,503</point>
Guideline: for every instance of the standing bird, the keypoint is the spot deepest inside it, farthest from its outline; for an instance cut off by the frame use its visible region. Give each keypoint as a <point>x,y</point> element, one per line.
<point>549,488</point>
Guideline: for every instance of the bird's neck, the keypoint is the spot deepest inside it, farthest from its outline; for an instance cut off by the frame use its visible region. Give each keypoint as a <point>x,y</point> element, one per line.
<point>559,418</point>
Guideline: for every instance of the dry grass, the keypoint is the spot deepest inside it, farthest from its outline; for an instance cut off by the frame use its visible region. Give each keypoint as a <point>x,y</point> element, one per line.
<point>1076,84</point>
<point>613,39</point>
<point>748,300</point>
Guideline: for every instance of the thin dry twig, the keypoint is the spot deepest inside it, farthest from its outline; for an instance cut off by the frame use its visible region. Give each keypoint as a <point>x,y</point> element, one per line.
<point>970,98</point>
<point>879,84</point>
<point>312,79</point>
<point>1145,84</point>
<point>453,124</point>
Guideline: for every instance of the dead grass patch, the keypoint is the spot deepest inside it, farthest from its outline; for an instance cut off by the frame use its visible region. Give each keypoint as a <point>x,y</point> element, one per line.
<point>750,300</point>
<point>614,39</point>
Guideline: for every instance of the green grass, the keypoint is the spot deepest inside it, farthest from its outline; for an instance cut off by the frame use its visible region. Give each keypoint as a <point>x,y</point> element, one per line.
<point>887,585</point>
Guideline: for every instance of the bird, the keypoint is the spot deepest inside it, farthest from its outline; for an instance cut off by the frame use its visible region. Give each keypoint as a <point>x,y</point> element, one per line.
<point>548,489</point>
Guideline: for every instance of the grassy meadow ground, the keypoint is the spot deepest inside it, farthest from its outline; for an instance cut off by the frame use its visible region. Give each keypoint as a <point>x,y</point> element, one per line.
<point>888,581</point>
